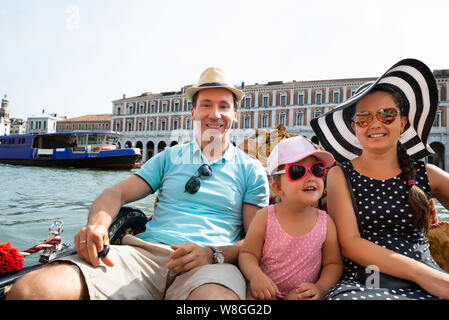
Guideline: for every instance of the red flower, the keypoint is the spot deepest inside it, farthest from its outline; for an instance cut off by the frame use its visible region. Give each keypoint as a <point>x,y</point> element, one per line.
<point>10,259</point>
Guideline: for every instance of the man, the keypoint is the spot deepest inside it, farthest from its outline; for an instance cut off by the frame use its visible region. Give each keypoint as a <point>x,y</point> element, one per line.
<point>207,189</point>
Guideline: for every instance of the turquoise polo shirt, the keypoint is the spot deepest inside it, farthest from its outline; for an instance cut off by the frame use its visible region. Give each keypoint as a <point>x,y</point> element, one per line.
<point>213,215</point>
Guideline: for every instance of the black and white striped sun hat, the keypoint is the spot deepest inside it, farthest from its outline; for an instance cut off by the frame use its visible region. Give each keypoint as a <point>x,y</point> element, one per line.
<point>415,82</point>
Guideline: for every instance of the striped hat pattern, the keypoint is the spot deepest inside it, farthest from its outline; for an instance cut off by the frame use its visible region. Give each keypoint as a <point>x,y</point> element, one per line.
<point>415,82</point>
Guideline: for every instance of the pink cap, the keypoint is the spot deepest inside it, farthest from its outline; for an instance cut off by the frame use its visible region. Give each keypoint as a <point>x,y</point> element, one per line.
<point>293,150</point>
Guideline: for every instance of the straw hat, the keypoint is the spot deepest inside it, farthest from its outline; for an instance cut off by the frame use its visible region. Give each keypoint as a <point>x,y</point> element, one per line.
<point>410,78</point>
<point>213,78</point>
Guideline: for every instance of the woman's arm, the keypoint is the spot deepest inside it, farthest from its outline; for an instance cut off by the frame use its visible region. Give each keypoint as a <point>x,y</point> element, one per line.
<point>439,184</point>
<point>367,253</point>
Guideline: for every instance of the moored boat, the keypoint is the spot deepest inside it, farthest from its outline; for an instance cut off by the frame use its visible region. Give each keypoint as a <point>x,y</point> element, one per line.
<point>79,149</point>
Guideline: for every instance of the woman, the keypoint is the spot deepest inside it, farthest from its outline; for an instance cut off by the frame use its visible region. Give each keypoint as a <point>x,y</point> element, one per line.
<point>390,120</point>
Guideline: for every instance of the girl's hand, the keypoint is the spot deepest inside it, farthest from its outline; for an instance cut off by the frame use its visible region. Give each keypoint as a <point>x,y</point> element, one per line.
<point>306,291</point>
<point>262,287</point>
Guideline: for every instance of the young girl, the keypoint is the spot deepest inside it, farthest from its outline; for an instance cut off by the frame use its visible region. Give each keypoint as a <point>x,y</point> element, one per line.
<point>291,249</point>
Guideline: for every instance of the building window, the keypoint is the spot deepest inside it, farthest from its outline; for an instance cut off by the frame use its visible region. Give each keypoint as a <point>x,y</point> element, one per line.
<point>31,125</point>
<point>247,121</point>
<point>248,102</point>
<point>142,108</point>
<point>318,96</point>
<point>189,106</point>
<point>188,123</point>
<point>283,100</point>
<point>282,118</point>
<point>316,113</point>
<point>176,106</point>
<point>151,125</point>
<point>140,126</point>
<point>117,126</point>
<point>265,120</point>
<point>301,99</point>
<point>130,126</point>
<point>266,100</point>
<point>299,118</point>
<point>130,109</point>
<point>437,121</point>
<point>175,123</point>
<point>163,124</point>
<point>119,110</point>
<point>164,107</point>
<point>353,91</point>
<point>336,96</point>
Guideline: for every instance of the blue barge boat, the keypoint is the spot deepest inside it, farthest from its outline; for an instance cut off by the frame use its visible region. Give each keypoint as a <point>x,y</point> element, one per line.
<point>79,149</point>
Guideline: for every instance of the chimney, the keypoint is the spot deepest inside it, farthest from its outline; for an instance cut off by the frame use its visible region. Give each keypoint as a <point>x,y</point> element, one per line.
<point>243,85</point>
<point>123,96</point>
<point>43,111</point>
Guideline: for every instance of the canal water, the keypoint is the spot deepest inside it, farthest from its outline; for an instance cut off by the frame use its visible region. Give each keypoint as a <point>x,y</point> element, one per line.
<point>31,198</point>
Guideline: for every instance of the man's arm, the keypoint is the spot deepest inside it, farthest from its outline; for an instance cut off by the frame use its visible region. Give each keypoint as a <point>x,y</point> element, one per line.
<point>189,255</point>
<point>91,239</point>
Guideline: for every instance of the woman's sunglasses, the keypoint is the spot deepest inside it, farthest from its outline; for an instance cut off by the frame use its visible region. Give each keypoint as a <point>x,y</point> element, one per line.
<point>193,184</point>
<point>297,171</point>
<point>385,116</point>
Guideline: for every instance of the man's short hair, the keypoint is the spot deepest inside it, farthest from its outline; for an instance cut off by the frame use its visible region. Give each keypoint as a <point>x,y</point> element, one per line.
<point>195,97</point>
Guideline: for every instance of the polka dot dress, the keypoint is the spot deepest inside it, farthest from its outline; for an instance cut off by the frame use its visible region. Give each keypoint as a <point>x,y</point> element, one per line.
<point>386,218</point>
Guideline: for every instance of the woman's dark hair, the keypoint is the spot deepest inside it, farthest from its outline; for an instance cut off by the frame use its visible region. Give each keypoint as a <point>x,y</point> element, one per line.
<point>417,198</point>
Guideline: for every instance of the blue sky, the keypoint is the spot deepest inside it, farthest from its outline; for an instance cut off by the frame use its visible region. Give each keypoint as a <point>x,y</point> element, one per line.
<point>74,57</point>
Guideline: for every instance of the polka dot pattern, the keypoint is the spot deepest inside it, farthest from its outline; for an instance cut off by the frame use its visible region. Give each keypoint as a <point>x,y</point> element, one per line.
<point>290,261</point>
<point>386,218</point>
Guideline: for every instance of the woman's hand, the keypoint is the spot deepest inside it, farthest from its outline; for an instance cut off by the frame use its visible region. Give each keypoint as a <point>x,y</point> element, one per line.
<point>91,240</point>
<point>433,281</point>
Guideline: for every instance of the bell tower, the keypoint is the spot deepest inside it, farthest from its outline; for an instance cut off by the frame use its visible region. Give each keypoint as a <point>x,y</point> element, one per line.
<point>4,110</point>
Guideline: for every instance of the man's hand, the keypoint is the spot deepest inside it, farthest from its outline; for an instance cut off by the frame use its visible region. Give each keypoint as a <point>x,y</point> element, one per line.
<point>188,256</point>
<point>91,240</point>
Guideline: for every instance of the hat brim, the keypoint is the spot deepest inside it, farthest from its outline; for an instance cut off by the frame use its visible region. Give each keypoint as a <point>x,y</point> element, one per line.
<point>190,92</point>
<point>414,81</point>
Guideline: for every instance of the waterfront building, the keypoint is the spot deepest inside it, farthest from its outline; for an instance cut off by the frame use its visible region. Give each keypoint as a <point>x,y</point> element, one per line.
<point>5,122</point>
<point>18,126</point>
<point>92,122</point>
<point>43,123</point>
<point>152,121</point>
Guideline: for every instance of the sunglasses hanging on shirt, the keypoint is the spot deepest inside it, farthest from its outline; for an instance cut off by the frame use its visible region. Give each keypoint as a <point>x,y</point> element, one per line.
<point>194,183</point>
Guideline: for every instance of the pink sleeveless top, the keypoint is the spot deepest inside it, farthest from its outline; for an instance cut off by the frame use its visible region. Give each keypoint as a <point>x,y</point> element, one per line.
<point>290,261</point>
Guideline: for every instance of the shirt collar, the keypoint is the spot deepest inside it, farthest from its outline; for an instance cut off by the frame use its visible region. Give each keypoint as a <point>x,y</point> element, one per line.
<point>198,154</point>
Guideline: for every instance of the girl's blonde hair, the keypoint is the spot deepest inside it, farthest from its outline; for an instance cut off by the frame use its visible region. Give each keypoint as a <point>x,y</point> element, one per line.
<point>276,178</point>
